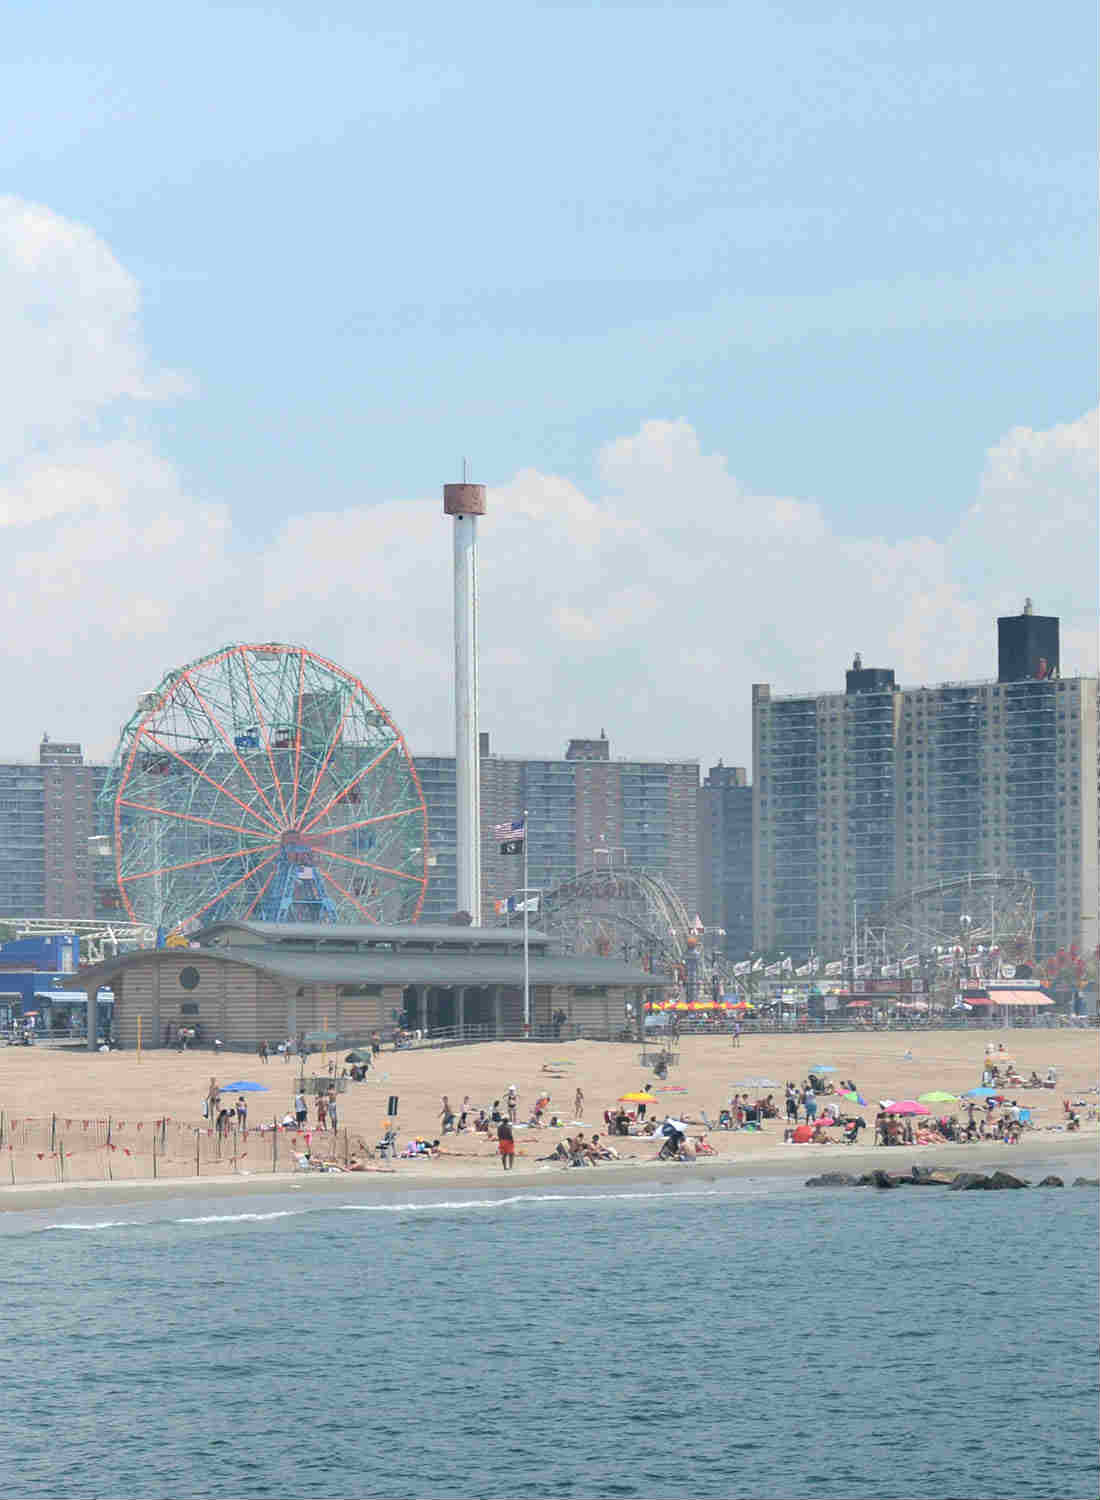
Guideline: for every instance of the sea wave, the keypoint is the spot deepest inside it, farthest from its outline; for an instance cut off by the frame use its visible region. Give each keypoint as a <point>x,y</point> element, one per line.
<point>102,1224</point>
<point>282,1213</point>
<point>453,1203</point>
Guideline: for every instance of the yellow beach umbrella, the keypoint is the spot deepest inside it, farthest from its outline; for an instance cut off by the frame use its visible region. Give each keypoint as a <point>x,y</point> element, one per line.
<point>639,1097</point>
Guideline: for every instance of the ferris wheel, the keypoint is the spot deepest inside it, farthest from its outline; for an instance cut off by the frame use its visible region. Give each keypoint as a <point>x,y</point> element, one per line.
<point>265,783</point>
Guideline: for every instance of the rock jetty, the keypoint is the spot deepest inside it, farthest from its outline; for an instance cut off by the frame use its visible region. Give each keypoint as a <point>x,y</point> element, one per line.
<point>956,1180</point>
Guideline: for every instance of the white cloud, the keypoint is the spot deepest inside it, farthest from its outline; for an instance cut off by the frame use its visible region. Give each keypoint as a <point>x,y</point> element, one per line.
<point>647,606</point>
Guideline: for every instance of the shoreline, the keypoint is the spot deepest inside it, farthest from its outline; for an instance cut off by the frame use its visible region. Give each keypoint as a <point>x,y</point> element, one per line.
<point>781,1164</point>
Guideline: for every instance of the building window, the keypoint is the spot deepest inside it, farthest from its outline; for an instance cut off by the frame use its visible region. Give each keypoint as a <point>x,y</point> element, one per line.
<point>189,978</point>
<point>189,1008</point>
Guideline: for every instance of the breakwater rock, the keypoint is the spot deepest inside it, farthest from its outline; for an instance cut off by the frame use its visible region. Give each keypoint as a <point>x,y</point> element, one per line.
<point>1086,1182</point>
<point>956,1181</point>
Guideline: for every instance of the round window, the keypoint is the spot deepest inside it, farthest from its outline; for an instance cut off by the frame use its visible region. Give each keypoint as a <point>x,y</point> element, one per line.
<point>189,978</point>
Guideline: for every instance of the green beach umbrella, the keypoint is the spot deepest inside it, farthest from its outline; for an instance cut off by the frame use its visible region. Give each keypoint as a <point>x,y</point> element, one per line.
<point>937,1096</point>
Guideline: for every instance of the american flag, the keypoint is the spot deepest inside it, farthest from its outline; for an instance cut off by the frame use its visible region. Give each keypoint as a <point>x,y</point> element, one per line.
<point>510,836</point>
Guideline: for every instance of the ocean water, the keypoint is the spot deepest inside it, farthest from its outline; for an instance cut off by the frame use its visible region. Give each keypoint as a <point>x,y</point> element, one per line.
<point>703,1338</point>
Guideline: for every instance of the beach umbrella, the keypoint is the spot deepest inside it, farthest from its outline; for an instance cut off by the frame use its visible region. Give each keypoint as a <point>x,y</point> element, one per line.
<point>671,1088</point>
<point>803,1133</point>
<point>822,1068</point>
<point>358,1057</point>
<point>852,1097</point>
<point>909,1107</point>
<point>638,1097</point>
<point>244,1088</point>
<point>938,1096</point>
<point>981,1094</point>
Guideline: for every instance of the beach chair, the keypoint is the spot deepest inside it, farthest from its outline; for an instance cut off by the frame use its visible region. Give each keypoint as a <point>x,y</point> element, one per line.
<point>387,1146</point>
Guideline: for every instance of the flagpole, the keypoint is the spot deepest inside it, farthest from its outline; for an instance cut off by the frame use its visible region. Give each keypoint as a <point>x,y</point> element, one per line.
<point>526,951</point>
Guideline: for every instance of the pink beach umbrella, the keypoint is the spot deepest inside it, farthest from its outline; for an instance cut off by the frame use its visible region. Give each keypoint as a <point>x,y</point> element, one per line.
<point>909,1107</point>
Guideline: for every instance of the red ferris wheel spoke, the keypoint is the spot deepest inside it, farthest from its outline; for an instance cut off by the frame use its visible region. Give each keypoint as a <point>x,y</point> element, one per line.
<point>217,785</point>
<point>298,739</point>
<point>352,783</point>
<point>263,731</point>
<point>164,812</point>
<point>328,754</point>
<point>236,753</point>
<point>366,864</point>
<point>344,891</point>
<point>225,892</point>
<point>260,894</point>
<point>193,864</point>
<point>327,833</point>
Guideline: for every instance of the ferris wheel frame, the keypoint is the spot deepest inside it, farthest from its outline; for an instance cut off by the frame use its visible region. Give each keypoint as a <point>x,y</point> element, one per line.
<point>278,794</point>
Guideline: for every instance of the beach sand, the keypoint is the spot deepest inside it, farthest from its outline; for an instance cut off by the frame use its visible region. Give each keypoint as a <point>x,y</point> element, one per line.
<point>56,1104</point>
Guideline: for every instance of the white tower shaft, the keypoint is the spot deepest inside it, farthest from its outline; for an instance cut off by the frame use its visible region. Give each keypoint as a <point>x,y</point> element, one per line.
<point>465,502</point>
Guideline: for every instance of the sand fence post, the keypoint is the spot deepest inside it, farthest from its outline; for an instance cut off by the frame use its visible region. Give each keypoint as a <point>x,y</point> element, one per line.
<point>196,1153</point>
<point>108,1130</point>
<point>3,1126</point>
<point>274,1145</point>
<point>11,1159</point>
<point>53,1132</point>
<point>61,1160</point>
<point>347,1155</point>
<point>154,1153</point>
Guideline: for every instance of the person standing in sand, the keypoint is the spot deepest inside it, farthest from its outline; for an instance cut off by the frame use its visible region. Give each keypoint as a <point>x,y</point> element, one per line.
<point>578,1104</point>
<point>213,1094</point>
<point>513,1102</point>
<point>301,1113</point>
<point>506,1145</point>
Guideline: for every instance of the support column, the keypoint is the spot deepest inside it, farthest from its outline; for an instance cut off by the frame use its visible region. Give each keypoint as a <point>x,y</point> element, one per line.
<point>498,1011</point>
<point>460,1006</point>
<point>421,1007</point>
<point>93,1018</point>
<point>465,502</point>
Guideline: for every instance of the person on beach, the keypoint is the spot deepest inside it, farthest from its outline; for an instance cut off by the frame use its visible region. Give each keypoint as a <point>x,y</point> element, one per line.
<point>301,1113</point>
<point>639,1113</point>
<point>506,1144</point>
<point>261,1052</point>
<point>242,1113</point>
<point>213,1094</point>
<point>446,1114</point>
<point>322,1111</point>
<point>513,1102</point>
<point>578,1104</point>
<point>333,1111</point>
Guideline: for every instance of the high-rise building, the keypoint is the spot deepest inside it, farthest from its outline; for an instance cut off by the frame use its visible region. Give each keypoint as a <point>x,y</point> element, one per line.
<point>725,858</point>
<point>579,808</point>
<point>863,796</point>
<point>47,816</point>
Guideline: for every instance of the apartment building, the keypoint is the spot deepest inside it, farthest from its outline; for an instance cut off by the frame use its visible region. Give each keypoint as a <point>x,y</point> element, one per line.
<point>47,816</point>
<point>864,795</point>
<point>578,807</point>
<point>725,858</point>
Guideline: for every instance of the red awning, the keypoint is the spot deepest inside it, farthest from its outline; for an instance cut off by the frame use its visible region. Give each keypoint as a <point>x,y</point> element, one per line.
<point>1016,997</point>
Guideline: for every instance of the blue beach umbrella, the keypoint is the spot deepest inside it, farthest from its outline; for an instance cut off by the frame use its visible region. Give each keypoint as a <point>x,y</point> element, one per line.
<point>981,1093</point>
<point>244,1088</point>
<point>822,1068</point>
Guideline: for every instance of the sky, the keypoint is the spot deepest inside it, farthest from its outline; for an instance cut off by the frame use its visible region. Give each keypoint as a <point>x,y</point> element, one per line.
<point>771,329</point>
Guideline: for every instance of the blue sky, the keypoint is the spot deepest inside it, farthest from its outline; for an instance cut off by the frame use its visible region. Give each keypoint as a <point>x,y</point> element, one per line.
<point>852,248</point>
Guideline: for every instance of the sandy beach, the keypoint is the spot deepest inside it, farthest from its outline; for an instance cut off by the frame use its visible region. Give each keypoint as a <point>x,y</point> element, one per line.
<point>58,1107</point>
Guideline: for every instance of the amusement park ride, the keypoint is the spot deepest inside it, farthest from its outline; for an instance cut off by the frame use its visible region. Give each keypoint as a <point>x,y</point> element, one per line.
<point>264,782</point>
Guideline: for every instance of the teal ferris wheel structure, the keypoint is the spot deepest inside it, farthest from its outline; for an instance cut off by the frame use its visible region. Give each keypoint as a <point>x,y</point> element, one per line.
<point>265,783</point>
